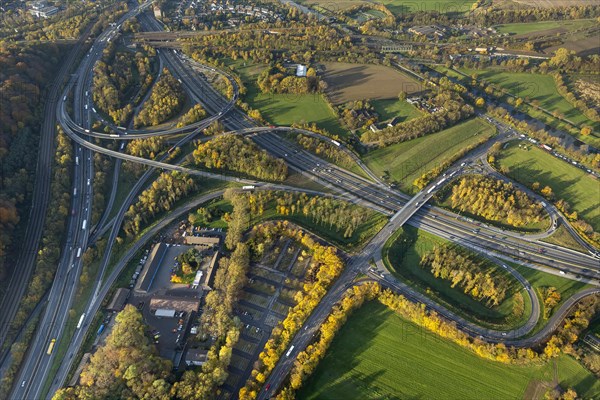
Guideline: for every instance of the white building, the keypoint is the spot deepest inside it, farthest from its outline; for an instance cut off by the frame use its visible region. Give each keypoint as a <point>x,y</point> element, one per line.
<point>301,70</point>
<point>42,10</point>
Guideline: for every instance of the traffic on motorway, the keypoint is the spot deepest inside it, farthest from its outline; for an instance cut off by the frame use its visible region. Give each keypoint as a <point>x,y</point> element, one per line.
<point>37,378</point>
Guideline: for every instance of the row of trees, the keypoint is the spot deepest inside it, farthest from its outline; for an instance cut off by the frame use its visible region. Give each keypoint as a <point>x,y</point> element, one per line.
<point>588,109</point>
<point>472,274</point>
<point>325,150</point>
<point>494,200</point>
<point>308,360</point>
<point>127,366</point>
<point>584,228</point>
<point>165,102</point>
<point>235,153</point>
<point>433,173</point>
<point>218,321</point>
<point>159,197</point>
<point>102,166</point>
<point>451,110</point>
<point>340,216</point>
<point>325,266</point>
<point>229,282</point>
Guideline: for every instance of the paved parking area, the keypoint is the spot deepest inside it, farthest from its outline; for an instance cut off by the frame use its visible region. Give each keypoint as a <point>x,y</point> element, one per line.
<point>261,308</point>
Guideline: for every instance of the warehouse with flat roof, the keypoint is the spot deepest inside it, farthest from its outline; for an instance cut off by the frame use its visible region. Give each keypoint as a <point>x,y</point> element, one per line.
<point>176,303</point>
<point>151,267</point>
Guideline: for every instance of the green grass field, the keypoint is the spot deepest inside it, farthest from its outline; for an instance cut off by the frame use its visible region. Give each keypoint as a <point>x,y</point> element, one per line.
<point>524,28</point>
<point>408,160</point>
<point>286,109</point>
<point>579,189</point>
<point>403,259</point>
<point>397,7</point>
<point>388,109</point>
<point>379,355</point>
<point>540,88</point>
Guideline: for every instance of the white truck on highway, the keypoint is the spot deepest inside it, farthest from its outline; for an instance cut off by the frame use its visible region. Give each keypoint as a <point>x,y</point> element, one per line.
<point>248,187</point>
<point>80,320</point>
<point>79,252</point>
<point>289,351</point>
<point>338,144</point>
<point>84,224</point>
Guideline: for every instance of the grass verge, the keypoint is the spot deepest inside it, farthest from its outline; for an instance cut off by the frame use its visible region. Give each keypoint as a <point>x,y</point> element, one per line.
<point>580,189</point>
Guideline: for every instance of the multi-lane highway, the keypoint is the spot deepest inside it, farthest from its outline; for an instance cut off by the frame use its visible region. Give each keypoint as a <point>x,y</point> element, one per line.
<point>371,193</point>
<point>24,265</point>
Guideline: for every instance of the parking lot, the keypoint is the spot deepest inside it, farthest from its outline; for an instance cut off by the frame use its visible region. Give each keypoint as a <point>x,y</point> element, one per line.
<point>264,302</point>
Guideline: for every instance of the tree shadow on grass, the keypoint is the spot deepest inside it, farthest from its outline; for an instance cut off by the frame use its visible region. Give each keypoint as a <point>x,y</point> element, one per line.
<point>343,357</point>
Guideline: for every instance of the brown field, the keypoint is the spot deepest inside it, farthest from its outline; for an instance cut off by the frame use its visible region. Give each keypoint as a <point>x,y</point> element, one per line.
<point>348,82</point>
<point>582,46</point>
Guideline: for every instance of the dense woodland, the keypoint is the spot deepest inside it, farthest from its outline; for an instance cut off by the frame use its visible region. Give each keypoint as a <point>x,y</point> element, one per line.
<point>475,276</point>
<point>25,73</point>
<point>127,366</point>
<point>161,196</point>
<point>165,102</point>
<point>300,42</point>
<point>235,153</point>
<point>49,251</point>
<point>325,266</point>
<point>339,216</point>
<point>121,78</point>
<point>452,109</point>
<point>494,200</point>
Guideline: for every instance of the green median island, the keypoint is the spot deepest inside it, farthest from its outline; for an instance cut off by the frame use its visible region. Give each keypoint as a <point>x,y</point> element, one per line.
<point>379,355</point>
<point>462,281</point>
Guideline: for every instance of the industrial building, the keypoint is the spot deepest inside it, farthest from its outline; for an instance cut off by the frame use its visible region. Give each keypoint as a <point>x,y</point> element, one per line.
<point>203,241</point>
<point>186,304</point>
<point>151,267</point>
<point>42,10</point>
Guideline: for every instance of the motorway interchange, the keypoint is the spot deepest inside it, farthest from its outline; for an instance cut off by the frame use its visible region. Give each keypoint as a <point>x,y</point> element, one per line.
<point>37,377</point>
